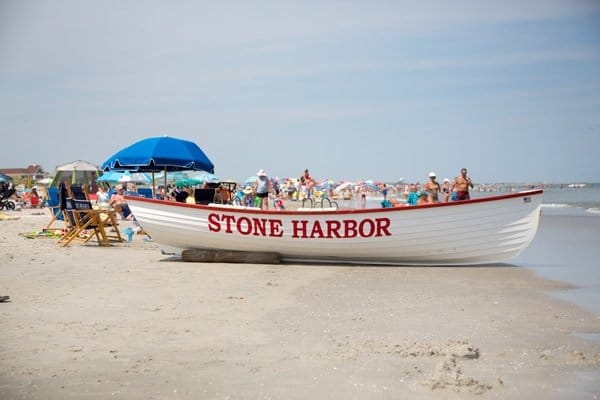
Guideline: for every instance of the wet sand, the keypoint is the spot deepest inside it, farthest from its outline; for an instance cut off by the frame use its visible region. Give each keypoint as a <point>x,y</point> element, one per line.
<point>130,322</point>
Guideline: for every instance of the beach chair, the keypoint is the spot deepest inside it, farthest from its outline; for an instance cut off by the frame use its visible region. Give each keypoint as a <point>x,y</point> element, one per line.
<point>76,222</point>
<point>54,207</point>
<point>84,223</point>
<point>146,192</point>
<point>204,196</point>
<point>77,192</point>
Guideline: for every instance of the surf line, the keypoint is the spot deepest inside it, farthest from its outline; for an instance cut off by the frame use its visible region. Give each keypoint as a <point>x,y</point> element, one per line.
<point>300,228</point>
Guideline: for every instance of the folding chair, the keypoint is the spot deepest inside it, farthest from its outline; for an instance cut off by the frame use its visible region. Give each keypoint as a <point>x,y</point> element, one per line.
<point>84,223</point>
<point>146,192</point>
<point>204,196</point>
<point>54,206</point>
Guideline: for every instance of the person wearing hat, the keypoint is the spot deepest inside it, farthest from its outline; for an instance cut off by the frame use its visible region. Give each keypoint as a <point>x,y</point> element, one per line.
<point>262,187</point>
<point>432,188</point>
<point>117,201</point>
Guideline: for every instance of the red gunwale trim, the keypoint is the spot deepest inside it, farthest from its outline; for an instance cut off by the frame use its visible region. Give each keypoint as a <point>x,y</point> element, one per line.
<point>345,211</point>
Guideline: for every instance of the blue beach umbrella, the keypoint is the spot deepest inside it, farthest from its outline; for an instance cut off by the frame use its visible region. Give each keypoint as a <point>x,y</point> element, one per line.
<point>158,154</point>
<point>206,177</point>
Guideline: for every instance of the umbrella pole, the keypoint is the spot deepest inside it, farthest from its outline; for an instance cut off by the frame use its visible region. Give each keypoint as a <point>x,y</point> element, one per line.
<point>153,190</point>
<point>165,182</point>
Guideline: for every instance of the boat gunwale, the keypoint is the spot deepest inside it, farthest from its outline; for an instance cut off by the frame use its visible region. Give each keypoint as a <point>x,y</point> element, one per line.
<point>251,210</point>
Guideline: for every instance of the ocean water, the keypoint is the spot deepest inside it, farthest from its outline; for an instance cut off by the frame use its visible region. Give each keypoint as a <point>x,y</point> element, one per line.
<point>566,247</point>
<point>561,197</point>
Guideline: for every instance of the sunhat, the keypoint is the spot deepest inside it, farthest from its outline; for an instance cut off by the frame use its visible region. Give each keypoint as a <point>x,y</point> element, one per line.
<point>432,174</point>
<point>446,180</point>
<point>261,172</point>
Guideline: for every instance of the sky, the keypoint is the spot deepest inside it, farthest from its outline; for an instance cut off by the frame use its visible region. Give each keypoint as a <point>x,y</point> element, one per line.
<point>352,90</point>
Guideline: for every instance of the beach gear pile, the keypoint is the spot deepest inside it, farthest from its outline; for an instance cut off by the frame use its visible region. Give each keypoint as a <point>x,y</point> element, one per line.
<point>4,217</point>
<point>45,234</point>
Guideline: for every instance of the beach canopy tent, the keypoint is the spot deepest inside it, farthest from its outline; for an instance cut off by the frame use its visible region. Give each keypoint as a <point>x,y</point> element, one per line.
<point>5,178</point>
<point>77,172</point>
<point>159,154</point>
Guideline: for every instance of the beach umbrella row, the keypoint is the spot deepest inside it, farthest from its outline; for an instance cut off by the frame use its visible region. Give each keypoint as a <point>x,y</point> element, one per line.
<point>124,177</point>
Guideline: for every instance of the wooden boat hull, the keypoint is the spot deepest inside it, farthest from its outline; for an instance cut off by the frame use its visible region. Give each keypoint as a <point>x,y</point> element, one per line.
<point>483,230</point>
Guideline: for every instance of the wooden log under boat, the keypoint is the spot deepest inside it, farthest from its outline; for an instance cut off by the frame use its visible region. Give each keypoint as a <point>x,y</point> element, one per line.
<point>230,256</point>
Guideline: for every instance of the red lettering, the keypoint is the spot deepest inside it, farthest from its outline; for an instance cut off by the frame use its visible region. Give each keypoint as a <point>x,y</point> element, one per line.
<point>229,219</point>
<point>333,229</point>
<point>383,225</point>
<point>213,223</point>
<point>260,226</point>
<point>361,228</point>
<point>350,228</point>
<point>240,225</point>
<point>299,229</point>
<point>316,230</point>
<point>275,225</point>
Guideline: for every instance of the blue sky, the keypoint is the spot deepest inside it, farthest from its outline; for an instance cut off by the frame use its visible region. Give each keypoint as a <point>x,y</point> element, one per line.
<point>351,90</point>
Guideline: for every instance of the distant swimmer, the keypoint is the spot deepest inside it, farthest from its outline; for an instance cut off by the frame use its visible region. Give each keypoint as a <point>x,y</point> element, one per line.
<point>461,185</point>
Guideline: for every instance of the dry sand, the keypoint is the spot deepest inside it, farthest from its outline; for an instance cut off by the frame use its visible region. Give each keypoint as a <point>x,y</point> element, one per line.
<point>129,322</point>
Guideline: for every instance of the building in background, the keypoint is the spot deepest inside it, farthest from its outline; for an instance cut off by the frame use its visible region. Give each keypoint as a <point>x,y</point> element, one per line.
<point>27,176</point>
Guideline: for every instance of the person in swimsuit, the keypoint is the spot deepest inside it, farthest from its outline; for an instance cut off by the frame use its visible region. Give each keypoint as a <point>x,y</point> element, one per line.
<point>261,189</point>
<point>432,188</point>
<point>446,189</point>
<point>461,186</point>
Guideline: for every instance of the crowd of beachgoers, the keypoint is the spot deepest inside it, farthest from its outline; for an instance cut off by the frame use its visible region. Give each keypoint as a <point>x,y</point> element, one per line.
<point>261,190</point>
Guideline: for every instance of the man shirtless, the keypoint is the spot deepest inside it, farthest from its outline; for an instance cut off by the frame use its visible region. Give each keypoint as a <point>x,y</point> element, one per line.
<point>461,186</point>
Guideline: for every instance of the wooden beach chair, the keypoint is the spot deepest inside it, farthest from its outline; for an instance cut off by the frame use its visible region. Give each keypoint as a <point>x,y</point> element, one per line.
<point>56,204</point>
<point>84,223</point>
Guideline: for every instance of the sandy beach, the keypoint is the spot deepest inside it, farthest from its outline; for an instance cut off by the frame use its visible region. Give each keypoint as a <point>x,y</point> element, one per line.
<point>130,322</point>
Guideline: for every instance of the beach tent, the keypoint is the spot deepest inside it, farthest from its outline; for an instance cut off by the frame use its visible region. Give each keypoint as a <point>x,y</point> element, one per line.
<point>77,173</point>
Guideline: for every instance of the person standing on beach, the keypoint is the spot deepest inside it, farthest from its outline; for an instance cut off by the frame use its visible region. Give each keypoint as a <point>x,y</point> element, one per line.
<point>309,182</point>
<point>461,186</point>
<point>261,189</point>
